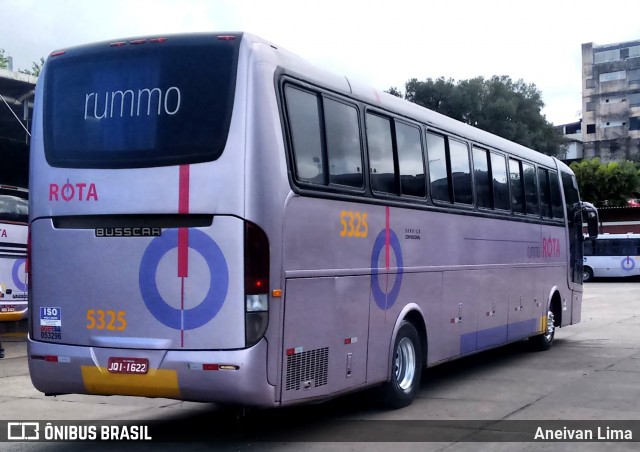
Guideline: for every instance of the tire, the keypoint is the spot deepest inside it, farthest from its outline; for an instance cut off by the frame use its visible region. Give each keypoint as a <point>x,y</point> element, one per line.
<point>587,274</point>
<point>544,341</point>
<point>406,368</point>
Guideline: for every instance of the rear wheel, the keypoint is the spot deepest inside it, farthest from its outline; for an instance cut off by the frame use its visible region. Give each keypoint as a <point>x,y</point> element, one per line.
<point>587,274</point>
<point>543,341</point>
<point>406,368</point>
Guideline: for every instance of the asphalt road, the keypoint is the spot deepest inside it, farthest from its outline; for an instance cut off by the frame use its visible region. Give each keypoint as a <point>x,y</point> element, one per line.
<point>592,372</point>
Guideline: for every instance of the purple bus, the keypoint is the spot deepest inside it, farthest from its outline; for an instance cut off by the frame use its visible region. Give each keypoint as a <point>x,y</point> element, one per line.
<point>214,219</point>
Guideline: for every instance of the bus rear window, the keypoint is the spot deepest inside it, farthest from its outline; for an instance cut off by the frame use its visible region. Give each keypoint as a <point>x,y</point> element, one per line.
<point>150,104</point>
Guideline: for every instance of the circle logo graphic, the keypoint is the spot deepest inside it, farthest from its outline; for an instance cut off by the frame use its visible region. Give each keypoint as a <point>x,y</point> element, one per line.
<point>187,319</point>
<point>628,264</point>
<point>382,299</point>
<point>16,272</point>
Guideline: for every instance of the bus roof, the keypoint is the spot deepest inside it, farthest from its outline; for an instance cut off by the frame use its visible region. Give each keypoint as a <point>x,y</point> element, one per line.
<point>298,67</point>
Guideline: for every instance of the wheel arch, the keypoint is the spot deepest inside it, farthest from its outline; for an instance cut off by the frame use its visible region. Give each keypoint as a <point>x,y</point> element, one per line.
<point>413,314</point>
<point>555,306</point>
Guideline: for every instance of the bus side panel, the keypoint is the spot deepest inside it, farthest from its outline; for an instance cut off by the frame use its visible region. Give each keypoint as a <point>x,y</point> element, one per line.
<point>493,308</point>
<point>325,332</point>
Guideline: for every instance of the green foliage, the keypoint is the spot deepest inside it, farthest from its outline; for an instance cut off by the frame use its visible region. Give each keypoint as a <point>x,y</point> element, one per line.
<point>394,92</point>
<point>606,183</point>
<point>4,60</point>
<point>36,67</point>
<point>498,105</point>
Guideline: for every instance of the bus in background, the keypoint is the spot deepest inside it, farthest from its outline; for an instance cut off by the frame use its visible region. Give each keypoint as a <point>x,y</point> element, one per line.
<point>14,217</point>
<point>612,256</point>
<point>241,227</point>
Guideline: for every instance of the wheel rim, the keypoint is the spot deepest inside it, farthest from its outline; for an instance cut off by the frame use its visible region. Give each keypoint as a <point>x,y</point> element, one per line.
<point>551,328</point>
<point>586,276</point>
<point>405,365</point>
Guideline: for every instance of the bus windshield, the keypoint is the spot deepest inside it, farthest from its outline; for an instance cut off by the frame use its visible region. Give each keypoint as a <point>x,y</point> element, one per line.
<point>14,206</point>
<point>152,104</point>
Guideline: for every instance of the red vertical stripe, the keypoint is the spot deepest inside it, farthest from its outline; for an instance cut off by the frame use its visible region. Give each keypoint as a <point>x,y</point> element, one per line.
<point>183,233</point>
<point>388,239</point>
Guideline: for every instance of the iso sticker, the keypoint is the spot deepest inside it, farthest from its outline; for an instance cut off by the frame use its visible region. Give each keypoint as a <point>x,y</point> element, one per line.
<point>51,317</point>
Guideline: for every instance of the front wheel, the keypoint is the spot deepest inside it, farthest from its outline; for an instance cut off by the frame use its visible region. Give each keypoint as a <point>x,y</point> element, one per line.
<point>406,368</point>
<point>587,274</point>
<point>543,341</point>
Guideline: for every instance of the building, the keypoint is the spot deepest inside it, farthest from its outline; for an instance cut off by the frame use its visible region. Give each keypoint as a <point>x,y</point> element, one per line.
<point>574,150</point>
<point>611,101</point>
<point>16,111</point>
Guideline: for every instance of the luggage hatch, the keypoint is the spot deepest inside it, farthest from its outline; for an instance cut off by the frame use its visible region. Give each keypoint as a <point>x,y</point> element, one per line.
<point>139,281</point>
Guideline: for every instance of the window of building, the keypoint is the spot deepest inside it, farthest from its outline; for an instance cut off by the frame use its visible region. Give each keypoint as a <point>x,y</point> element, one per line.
<point>633,75</point>
<point>634,123</point>
<point>634,52</point>
<point>612,76</point>
<point>606,55</point>
<point>591,128</point>
<point>634,99</point>
<point>591,83</point>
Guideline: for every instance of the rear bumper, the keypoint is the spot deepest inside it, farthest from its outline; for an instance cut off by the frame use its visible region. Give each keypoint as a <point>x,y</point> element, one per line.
<point>175,374</point>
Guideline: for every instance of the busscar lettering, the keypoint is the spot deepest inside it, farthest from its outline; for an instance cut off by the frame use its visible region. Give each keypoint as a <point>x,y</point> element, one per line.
<point>73,192</point>
<point>129,103</point>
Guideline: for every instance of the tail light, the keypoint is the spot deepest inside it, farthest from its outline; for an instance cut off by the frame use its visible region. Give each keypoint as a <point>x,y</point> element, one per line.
<point>256,283</point>
<point>27,265</point>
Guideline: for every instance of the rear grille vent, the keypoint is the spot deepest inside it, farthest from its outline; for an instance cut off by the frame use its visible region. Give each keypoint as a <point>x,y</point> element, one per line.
<point>310,366</point>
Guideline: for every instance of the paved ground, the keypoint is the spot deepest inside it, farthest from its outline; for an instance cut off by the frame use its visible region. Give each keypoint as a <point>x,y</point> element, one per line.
<point>591,373</point>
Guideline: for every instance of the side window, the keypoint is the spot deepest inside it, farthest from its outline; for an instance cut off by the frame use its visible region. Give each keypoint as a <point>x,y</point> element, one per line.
<point>438,168</point>
<point>344,153</point>
<point>517,195</point>
<point>556,200</point>
<point>481,173</point>
<point>304,119</point>
<point>531,189</point>
<point>545,192</point>
<point>460,172</point>
<point>590,248</point>
<point>500,182</point>
<point>410,160</point>
<point>570,186</point>
<point>380,146</point>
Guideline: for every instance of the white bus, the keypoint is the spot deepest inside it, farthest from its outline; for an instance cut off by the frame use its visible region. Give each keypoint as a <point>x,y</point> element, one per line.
<point>612,256</point>
<point>14,217</point>
<point>214,219</point>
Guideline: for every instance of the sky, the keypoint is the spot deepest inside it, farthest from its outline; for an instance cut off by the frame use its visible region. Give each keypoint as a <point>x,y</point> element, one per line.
<point>382,44</point>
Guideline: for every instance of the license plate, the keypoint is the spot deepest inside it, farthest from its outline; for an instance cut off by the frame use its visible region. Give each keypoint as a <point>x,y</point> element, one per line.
<point>117,365</point>
<point>9,308</point>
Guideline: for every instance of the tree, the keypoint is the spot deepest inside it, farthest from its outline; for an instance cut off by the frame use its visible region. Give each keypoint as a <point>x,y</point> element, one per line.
<point>498,105</point>
<point>36,67</point>
<point>4,60</point>
<point>606,184</point>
